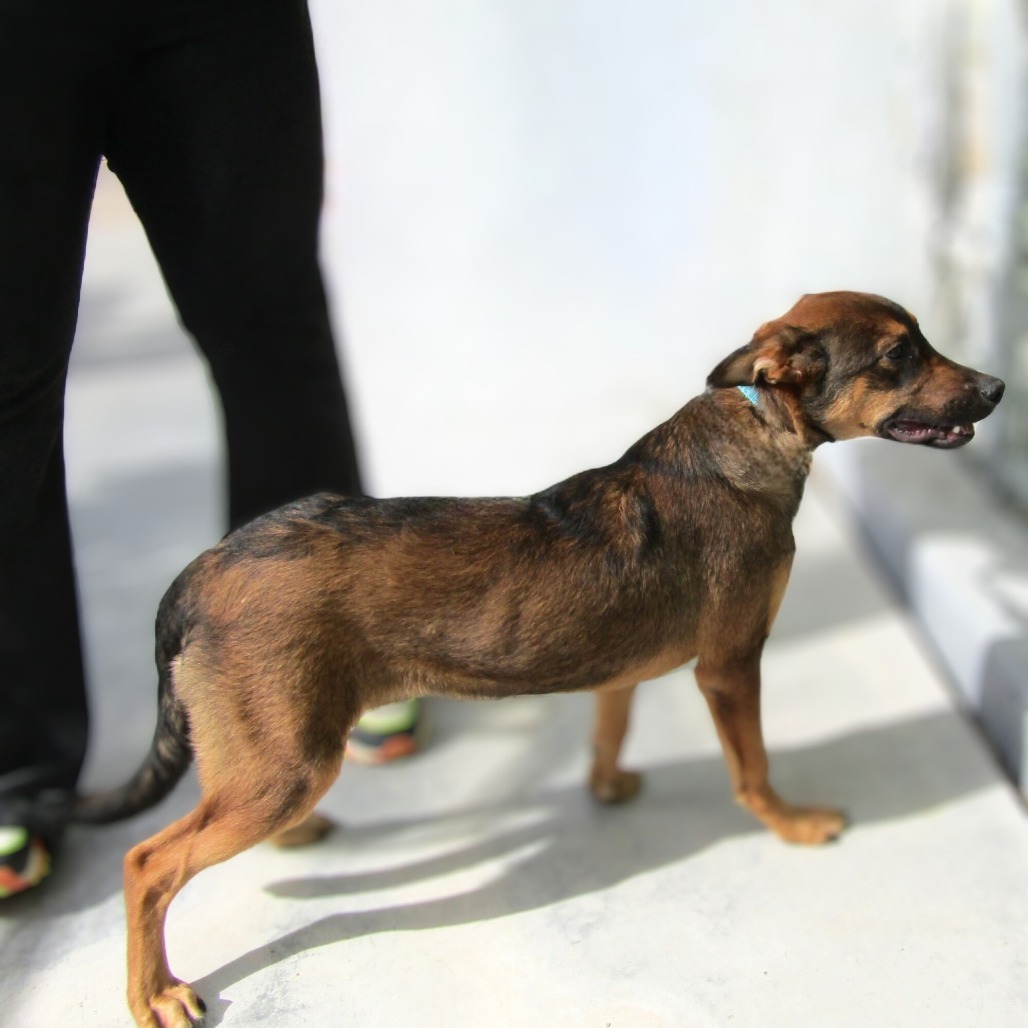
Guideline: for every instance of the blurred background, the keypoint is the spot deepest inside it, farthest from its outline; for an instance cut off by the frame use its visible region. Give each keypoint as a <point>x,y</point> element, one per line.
<point>547,220</point>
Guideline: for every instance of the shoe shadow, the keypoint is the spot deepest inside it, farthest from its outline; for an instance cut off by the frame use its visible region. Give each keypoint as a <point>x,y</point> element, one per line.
<point>554,845</point>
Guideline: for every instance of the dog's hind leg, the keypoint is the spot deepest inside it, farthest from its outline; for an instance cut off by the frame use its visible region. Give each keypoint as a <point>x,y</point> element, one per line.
<point>731,687</point>
<point>610,783</point>
<point>232,816</point>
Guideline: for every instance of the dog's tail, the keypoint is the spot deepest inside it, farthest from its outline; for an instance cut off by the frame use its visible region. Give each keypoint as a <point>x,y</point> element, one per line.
<point>171,750</point>
<point>170,754</point>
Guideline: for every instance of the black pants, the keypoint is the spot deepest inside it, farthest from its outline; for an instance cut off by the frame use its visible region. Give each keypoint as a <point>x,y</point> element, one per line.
<point>208,111</point>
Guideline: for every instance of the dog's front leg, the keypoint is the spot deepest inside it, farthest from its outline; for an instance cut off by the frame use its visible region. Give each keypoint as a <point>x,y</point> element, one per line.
<point>732,691</point>
<point>608,782</point>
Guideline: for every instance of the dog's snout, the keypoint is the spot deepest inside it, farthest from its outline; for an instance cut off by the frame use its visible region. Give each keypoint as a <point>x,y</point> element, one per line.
<point>991,388</point>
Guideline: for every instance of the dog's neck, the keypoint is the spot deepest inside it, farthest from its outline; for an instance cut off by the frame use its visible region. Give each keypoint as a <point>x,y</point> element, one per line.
<point>787,406</point>
<point>755,442</point>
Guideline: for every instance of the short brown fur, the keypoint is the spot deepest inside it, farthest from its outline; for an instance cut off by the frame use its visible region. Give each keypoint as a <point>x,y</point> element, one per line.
<point>272,643</point>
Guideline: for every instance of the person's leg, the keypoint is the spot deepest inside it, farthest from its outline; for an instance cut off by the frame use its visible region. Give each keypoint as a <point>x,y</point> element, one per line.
<point>218,143</point>
<point>50,121</point>
<point>217,139</point>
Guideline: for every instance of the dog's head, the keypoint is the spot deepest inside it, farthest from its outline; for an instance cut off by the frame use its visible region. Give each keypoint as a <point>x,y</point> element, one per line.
<point>854,364</point>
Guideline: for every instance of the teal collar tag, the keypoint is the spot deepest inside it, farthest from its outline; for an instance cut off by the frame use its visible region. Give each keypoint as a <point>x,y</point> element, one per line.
<point>750,393</point>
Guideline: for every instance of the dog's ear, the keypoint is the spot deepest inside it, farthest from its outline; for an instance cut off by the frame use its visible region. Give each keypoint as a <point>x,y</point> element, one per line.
<point>778,354</point>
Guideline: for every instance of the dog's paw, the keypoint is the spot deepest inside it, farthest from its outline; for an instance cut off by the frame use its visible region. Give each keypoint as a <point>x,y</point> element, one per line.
<point>616,787</point>
<point>809,826</point>
<point>176,1006</point>
<point>311,830</point>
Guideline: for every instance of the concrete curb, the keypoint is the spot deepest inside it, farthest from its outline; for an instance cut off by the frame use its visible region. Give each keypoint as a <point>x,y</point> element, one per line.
<point>961,564</point>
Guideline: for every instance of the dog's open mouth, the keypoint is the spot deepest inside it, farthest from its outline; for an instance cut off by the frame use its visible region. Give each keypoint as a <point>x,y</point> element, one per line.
<point>928,434</point>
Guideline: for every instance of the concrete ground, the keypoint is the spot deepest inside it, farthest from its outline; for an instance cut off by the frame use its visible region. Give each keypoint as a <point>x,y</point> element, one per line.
<point>477,884</point>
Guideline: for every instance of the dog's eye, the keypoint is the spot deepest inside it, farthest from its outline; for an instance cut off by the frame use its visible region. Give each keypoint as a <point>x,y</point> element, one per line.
<point>900,351</point>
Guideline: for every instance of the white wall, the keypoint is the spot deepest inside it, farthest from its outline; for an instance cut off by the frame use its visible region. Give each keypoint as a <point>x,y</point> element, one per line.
<point>548,219</point>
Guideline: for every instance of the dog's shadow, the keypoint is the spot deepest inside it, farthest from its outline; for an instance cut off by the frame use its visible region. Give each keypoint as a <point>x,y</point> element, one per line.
<point>562,845</point>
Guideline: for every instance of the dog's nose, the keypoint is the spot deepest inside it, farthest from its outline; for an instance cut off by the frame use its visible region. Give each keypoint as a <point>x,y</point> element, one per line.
<point>992,388</point>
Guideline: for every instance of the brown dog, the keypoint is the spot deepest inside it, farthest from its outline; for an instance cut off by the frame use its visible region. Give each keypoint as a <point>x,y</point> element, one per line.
<point>271,644</point>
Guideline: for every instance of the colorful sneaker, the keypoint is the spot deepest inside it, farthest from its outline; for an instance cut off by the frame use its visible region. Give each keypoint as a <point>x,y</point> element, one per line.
<point>24,860</point>
<point>386,733</point>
